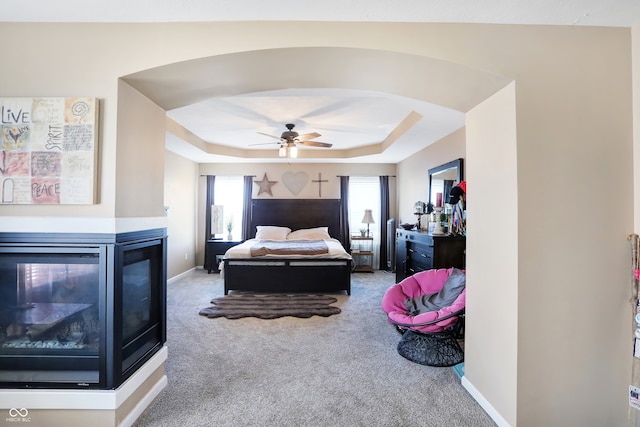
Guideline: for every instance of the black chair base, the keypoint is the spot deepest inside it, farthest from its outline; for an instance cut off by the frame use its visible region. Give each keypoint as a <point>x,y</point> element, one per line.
<point>436,349</point>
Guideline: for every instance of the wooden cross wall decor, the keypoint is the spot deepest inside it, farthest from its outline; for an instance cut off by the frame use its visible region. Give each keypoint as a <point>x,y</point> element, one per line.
<point>320,181</point>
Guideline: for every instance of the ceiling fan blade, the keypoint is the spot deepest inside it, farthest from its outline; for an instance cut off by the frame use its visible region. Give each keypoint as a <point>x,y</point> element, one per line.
<point>272,136</point>
<point>266,143</point>
<point>316,144</point>
<point>308,136</point>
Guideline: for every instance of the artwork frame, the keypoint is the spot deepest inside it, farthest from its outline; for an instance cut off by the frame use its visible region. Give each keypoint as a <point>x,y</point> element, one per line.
<point>48,150</point>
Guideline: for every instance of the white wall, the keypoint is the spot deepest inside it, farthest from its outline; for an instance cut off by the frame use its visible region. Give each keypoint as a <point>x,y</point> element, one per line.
<point>492,253</point>
<point>574,152</point>
<point>413,173</point>
<point>140,155</point>
<point>180,194</point>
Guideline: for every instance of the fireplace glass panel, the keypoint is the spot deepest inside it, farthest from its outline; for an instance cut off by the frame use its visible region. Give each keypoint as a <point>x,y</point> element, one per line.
<point>50,317</point>
<point>142,328</point>
<point>136,302</point>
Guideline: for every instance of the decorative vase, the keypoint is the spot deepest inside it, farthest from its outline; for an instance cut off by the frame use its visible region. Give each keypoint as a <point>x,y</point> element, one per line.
<point>229,236</point>
<point>438,229</point>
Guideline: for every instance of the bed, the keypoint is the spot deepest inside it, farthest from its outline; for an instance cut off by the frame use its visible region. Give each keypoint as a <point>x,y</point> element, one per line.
<point>328,272</point>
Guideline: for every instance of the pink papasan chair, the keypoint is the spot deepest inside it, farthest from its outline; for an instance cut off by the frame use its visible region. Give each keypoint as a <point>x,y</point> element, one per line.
<point>427,308</point>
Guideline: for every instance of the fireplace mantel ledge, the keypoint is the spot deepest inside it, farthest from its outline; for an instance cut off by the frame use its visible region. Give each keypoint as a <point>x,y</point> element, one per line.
<point>39,224</point>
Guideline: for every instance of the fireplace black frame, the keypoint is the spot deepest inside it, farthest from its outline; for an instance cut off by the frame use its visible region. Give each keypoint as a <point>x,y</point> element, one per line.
<point>117,359</point>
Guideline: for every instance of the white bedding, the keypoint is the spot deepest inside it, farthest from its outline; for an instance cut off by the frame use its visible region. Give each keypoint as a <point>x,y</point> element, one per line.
<point>243,250</point>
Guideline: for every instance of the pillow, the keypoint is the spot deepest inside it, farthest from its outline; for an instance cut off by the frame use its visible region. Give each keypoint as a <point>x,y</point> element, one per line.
<point>272,232</point>
<point>318,233</point>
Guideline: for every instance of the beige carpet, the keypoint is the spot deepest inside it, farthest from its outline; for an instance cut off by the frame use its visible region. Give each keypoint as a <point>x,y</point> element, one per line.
<point>332,371</point>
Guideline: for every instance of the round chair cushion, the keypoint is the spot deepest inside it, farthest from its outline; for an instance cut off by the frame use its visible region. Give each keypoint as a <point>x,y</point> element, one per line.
<point>422,283</point>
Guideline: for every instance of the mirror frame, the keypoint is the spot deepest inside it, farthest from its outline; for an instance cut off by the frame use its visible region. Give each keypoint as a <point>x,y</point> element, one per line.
<point>452,164</point>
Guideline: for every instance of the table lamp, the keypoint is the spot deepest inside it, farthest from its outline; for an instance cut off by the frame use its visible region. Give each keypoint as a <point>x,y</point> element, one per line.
<point>368,219</point>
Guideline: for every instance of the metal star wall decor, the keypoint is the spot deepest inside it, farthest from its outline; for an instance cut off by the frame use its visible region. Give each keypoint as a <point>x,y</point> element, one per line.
<point>265,185</point>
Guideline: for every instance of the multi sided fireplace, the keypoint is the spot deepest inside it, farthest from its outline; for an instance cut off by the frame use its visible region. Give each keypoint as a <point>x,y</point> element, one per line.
<point>80,310</point>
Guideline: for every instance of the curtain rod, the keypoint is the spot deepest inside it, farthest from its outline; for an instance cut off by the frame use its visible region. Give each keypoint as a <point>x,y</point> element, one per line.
<point>338,176</point>
<point>252,176</point>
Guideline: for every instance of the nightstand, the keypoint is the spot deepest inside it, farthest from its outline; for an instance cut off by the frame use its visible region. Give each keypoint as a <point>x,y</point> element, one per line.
<point>214,251</point>
<point>362,253</point>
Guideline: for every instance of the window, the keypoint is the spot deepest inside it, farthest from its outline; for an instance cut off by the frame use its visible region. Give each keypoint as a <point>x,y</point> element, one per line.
<point>228,193</point>
<point>364,193</point>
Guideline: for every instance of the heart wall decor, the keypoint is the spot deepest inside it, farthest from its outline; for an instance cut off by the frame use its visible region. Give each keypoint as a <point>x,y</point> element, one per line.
<point>295,182</point>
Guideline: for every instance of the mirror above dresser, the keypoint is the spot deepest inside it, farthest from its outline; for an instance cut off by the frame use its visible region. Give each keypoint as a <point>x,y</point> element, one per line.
<point>442,178</point>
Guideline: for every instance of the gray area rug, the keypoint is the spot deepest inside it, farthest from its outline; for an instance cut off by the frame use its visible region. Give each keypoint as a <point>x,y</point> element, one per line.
<point>270,306</point>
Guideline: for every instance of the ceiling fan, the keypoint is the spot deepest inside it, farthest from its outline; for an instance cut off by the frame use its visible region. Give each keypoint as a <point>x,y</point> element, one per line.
<point>289,139</point>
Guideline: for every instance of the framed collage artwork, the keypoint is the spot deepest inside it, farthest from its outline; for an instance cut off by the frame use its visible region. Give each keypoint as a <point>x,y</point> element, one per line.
<point>48,150</point>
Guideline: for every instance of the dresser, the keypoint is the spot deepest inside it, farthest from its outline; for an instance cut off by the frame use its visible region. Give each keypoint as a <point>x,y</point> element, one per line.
<point>417,251</point>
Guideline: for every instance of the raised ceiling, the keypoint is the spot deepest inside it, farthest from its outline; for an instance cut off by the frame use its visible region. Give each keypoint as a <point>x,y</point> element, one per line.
<point>383,118</point>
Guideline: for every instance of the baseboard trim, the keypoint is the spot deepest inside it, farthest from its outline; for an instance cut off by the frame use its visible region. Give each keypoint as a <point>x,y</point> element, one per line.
<point>180,276</point>
<point>144,403</point>
<point>484,403</point>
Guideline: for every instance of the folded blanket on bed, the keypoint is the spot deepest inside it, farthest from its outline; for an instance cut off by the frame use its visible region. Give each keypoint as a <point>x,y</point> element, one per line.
<point>289,247</point>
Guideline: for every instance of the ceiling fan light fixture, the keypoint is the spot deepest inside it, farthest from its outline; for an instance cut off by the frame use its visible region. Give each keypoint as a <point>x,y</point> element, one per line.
<point>288,141</point>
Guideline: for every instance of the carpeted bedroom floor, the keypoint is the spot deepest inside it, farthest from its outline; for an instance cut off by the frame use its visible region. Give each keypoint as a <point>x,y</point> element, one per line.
<point>341,370</point>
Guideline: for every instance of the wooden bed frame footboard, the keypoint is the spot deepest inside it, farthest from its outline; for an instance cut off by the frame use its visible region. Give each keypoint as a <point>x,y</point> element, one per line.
<point>291,275</point>
<point>287,276</point>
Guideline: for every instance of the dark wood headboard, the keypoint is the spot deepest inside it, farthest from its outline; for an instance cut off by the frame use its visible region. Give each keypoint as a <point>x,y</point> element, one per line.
<point>297,214</point>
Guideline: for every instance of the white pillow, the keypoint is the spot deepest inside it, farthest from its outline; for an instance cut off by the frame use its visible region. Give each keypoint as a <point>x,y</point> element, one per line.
<point>318,233</point>
<point>272,232</point>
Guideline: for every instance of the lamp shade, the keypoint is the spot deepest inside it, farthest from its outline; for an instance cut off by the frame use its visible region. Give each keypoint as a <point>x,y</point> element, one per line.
<point>368,218</point>
<point>289,150</point>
